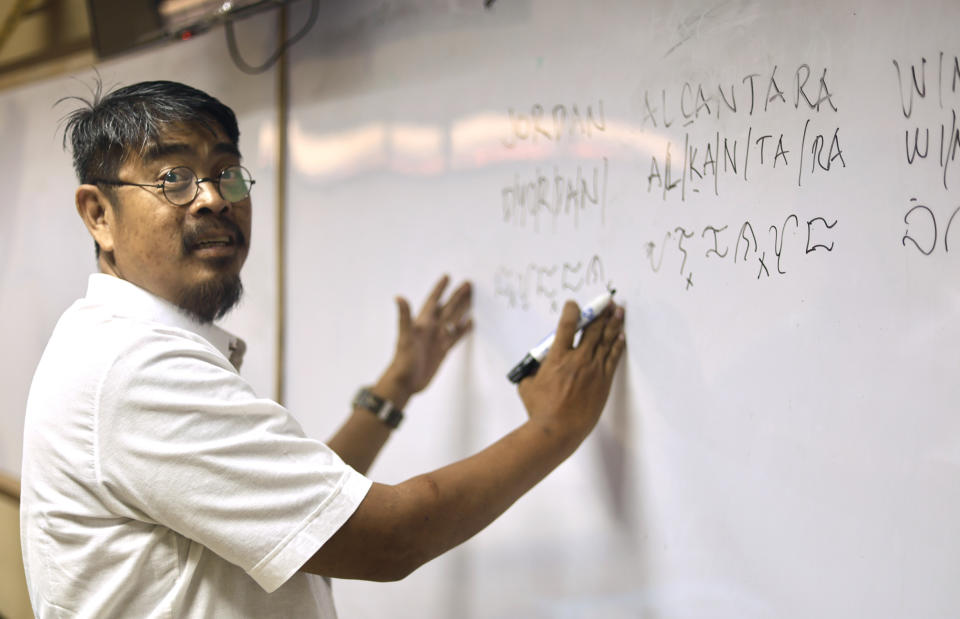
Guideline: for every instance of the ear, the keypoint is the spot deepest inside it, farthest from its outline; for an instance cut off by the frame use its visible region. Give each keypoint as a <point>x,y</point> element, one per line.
<point>97,213</point>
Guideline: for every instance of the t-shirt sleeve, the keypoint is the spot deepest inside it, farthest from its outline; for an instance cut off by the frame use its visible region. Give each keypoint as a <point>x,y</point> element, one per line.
<point>184,442</point>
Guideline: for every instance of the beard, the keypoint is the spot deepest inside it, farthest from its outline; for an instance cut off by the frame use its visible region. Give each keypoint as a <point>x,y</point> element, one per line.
<point>212,299</point>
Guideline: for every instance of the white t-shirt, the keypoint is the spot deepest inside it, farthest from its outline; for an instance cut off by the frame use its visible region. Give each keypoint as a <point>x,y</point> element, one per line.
<point>155,483</point>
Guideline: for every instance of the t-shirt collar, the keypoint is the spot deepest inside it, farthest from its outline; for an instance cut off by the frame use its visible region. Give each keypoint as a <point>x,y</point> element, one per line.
<point>127,299</point>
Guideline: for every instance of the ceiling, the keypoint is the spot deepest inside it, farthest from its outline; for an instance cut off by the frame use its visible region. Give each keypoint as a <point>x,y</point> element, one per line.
<point>39,38</point>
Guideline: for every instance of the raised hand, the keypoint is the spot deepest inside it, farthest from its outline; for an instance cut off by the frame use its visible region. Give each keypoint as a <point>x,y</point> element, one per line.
<point>423,342</point>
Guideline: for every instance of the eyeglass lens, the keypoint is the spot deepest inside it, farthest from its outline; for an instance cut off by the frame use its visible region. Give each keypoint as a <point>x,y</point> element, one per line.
<point>180,185</point>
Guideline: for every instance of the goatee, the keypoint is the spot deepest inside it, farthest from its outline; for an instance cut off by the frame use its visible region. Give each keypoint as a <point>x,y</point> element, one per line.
<point>212,299</point>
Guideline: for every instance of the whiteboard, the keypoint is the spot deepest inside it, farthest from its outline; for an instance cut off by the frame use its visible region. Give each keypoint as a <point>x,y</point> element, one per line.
<point>782,438</point>
<point>46,252</point>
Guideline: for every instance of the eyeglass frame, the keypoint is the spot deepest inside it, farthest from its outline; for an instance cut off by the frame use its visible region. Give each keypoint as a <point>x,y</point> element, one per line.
<point>197,180</point>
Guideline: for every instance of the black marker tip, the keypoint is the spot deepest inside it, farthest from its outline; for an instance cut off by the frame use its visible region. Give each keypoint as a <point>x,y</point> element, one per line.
<point>523,369</point>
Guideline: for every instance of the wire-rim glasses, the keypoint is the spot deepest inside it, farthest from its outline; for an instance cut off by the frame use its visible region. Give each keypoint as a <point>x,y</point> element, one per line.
<point>180,185</point>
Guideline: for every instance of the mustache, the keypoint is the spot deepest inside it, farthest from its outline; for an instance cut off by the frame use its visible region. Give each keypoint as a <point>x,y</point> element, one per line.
<point>205,229</point>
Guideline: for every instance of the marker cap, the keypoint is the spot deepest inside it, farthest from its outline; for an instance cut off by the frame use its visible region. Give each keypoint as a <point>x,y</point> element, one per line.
<point>523,369</point>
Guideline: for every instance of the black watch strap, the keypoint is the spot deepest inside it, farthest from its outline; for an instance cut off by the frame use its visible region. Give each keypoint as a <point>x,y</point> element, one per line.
<point>381,407</point>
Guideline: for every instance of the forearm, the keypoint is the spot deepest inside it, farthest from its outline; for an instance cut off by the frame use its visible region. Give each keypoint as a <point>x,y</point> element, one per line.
<point>470,494</point>
<point>362,435</point>
<point>398,528</point>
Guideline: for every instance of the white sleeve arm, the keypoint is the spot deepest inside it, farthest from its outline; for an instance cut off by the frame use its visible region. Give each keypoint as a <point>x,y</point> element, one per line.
<point>183,442</point>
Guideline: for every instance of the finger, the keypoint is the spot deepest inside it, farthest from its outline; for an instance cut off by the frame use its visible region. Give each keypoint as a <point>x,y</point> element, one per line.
<point>613,328</point>
<point>566,329</point>
<point>613,336</point>
<point>616,351</point>
<point>431,306</point>
<point>457,331</point>
<point>593,332</point>
<point>458,304</point>
<point>404,320</point>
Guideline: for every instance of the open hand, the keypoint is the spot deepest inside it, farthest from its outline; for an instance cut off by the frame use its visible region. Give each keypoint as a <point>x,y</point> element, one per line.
<point>423,342</point>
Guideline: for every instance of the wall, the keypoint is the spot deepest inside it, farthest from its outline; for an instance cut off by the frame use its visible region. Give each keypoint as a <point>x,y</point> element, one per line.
<point>14,600</point>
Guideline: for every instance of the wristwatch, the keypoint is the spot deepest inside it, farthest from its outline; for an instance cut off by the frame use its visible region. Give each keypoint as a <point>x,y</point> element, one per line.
<point>381,407</point>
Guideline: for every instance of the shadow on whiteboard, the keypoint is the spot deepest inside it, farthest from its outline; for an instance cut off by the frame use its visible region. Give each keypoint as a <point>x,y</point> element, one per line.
<point>691,600</point>
<point>615,436</point>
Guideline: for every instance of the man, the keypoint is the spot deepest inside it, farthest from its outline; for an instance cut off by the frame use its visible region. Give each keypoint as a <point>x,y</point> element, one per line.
<point>156,483</point>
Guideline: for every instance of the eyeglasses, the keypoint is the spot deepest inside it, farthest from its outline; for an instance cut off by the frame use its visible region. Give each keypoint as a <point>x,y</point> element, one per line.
<point>181,186</point>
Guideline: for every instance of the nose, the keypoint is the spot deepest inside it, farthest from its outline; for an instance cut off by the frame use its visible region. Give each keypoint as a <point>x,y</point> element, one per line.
<point>208,199</point>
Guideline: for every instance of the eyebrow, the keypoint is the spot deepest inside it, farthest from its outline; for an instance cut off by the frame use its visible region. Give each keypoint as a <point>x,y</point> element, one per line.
<point>165,150</point>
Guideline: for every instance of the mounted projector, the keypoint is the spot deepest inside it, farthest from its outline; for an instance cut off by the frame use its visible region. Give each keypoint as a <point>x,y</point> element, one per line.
<point>183,16</point>
<point>119,26</point>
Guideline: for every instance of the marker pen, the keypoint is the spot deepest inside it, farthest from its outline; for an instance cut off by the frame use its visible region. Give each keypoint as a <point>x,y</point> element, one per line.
<point>531,362</point>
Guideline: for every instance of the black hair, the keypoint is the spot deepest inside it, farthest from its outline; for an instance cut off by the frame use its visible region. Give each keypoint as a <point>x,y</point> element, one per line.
<point>107,128</point>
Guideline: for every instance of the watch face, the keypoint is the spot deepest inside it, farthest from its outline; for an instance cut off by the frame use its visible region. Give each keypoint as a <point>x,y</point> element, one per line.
<point>394,418</point>
<point>384,410</point>
<point>369,400</point>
